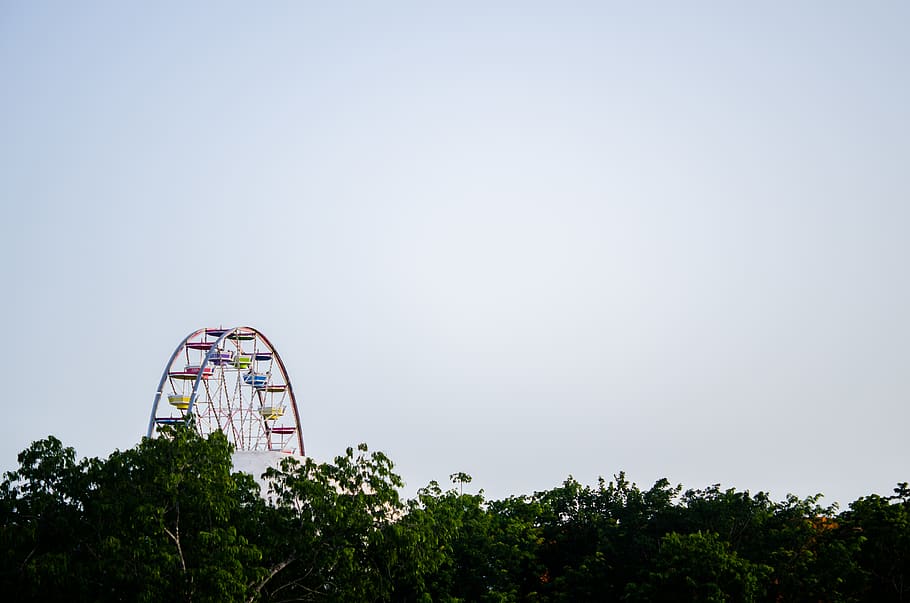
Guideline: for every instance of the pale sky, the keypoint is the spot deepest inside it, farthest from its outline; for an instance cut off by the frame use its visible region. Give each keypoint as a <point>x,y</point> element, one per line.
<point>521,240</point>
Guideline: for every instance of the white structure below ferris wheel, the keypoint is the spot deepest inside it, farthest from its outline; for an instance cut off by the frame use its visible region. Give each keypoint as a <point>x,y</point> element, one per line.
<point>233,381</point>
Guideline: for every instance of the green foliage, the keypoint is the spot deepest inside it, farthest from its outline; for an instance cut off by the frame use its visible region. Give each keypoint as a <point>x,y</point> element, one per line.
<point>156,522</point>
<point>596,540</point>
<point>40,514</point>
<point>700,567</point>
<point>468,549</point>
<point>168,520</point>
<point>170,508</point>
<point>881,526</point>
<point>329,528</point>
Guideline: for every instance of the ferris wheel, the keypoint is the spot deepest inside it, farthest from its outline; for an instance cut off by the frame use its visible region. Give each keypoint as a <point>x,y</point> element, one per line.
<point>233,381</point>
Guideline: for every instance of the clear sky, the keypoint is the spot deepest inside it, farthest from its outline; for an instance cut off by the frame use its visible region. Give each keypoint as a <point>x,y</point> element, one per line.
<point>521,240</point>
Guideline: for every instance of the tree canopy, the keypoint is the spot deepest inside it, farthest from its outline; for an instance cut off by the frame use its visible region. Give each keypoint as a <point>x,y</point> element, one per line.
<point>169,520</point>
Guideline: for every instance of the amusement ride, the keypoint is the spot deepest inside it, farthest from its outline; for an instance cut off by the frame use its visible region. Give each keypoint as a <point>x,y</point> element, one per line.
<point>233,381</point>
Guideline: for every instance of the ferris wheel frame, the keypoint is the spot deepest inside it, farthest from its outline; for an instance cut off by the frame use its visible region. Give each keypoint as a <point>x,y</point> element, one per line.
<point>206,368</point>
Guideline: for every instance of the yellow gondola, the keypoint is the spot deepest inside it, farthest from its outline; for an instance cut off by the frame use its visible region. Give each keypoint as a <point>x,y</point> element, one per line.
<point>270,413</point>
<point>181,401</point>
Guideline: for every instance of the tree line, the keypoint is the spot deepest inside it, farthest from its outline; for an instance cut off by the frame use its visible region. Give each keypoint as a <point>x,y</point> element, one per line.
<point>169,520</point>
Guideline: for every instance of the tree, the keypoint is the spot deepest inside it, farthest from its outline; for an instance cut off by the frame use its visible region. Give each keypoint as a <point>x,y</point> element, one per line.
<point>599,539</point>
<point>469,549</point>
<point>168,521</point>
<point>168,512</point>
<point>325,534</point>
<point>40,519</point>
<point>882,525</point>
<point>700,567</point>
<point>153,523</point>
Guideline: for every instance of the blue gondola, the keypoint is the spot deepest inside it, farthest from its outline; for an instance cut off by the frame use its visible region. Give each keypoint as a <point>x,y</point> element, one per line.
<point>257,380</point>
